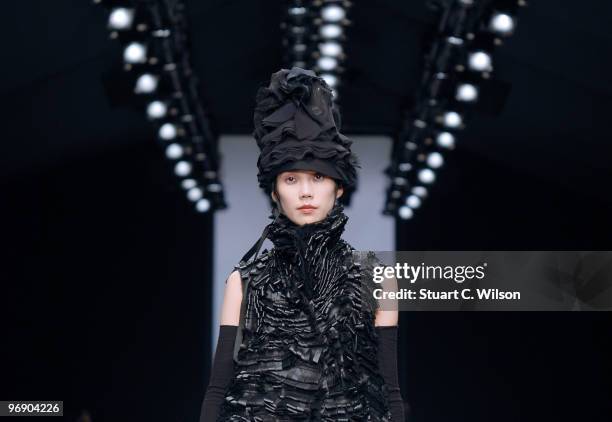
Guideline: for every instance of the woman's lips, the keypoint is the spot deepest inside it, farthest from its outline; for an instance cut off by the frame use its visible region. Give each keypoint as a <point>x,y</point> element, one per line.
<point>307,209</point>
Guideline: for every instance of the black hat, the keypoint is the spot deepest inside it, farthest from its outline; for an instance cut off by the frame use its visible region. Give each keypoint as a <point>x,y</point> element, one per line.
<point>297,128</point>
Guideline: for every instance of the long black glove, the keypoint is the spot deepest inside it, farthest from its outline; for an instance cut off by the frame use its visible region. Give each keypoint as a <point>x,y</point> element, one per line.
<point>221,373</point>
<point>387,361</point>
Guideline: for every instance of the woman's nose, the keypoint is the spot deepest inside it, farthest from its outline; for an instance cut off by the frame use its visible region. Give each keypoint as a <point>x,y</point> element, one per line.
<point>305,189</point>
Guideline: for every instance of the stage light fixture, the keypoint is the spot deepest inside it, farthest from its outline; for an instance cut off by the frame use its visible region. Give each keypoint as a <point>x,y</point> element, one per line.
<point>435,160</point>
<point>330,31</point>
<point>420,191</point>
<point>135,52</point>
<point>182,168</point>
<point>327,63</point>
<point>156,110</point>
<point>330,79</point>
<point>426,176</point>
<point>405,212</point>
<point>300,48</point>
<point>501,23</point>
<point>333,13</point>
<point>298,30</point>
<point>145,84</point>
<point>454,40</point>
<point>121,18</point>
<point>167,131</point>
<point>174,151</point>
<point>458,64</point>
<point>194,194</point>
<point>413,201</point>
<point>138,41</point>
<point>214,187</point>
<point>452,119</point>
<point>330,48</point>
<point>445,140</point>
<point>404,167</point>
<point>479,61</point>
<point>297,11</point>
<point>400,181</point>
<point>188,184</point>
<point>203,205</point>
<point>466,93</point>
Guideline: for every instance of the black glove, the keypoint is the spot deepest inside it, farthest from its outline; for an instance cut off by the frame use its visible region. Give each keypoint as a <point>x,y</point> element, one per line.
<point>387,361</point>
<point>221,373</point>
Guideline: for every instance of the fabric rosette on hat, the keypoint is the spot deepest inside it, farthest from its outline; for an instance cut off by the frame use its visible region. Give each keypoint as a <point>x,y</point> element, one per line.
<point>297,127</point>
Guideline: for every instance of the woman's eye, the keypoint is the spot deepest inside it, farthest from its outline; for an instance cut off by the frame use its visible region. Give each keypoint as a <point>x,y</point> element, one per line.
<point>290,179</point>
<point>318,176</point>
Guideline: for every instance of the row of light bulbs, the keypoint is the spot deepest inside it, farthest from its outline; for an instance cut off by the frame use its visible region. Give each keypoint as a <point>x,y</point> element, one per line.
<point>479,61</point>
<point>333,19</point>
<point>122,19</point>
<point>327,22</point>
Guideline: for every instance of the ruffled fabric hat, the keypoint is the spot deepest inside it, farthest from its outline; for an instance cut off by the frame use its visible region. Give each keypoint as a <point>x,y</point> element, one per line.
<point>297,127</point>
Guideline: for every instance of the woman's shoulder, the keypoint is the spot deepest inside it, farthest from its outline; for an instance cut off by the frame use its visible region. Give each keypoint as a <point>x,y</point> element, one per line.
<point>367,259</point>
<point>253,266</point>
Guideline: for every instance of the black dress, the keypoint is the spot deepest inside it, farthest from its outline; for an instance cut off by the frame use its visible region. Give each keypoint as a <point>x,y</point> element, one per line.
<point>306,348</point>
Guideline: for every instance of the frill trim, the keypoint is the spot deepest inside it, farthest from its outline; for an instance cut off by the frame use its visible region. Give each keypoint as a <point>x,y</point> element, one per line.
<point>296,118</point>
<point>301,358</point>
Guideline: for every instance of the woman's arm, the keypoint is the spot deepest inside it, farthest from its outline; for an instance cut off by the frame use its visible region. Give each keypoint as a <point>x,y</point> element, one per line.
<point>387,362</point>
<point>223,365</point>
<point>386,327</point>
<point>232,298</point>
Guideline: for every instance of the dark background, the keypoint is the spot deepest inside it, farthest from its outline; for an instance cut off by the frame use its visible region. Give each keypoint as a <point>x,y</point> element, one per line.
<point>106,267</point>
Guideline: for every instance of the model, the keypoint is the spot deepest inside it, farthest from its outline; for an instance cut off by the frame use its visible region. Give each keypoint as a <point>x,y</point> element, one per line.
<point>301,336</point>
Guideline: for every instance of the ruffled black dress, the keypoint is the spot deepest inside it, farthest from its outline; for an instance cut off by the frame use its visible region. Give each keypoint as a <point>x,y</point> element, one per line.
<point>306,348</point>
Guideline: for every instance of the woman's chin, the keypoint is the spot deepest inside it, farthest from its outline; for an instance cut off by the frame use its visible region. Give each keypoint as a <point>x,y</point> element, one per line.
<point>302,219</point>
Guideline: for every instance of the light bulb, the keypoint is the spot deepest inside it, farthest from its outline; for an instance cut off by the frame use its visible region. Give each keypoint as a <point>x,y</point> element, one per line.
<point>194,194</point>
<point>419,191</point>
<point>135,53</point>
<point>435,160</point>
<point>331,80</point>
<point>156,110</point>
<point>413,201</point>
<point>479,61</point>
<point>327,63</point>
<point>146,84</point>
<point>167,131</point>
<point>452,119</point>
<point>188,184</point>
<point>445,140</point>
<point>426,176</point>
<point>330,31</point>
<point>466,92</point>
<point>405,212</point>
<point>203,205</point>
<point>182,168</point>
<point>501,23</point>
<point>174,151</point>
<point>333,13</point>
<point>330,48</point>
<point>121,18</point>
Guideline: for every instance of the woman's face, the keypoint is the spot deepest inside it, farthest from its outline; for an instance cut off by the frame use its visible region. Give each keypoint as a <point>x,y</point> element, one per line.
<point>305,196</point>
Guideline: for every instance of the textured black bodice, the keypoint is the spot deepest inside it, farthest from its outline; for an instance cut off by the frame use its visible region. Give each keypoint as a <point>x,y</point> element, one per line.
<point>308,350</point>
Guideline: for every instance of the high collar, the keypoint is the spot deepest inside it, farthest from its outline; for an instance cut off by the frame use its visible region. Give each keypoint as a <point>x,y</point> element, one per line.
<point>302,245</point>
<point>288,236</point>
